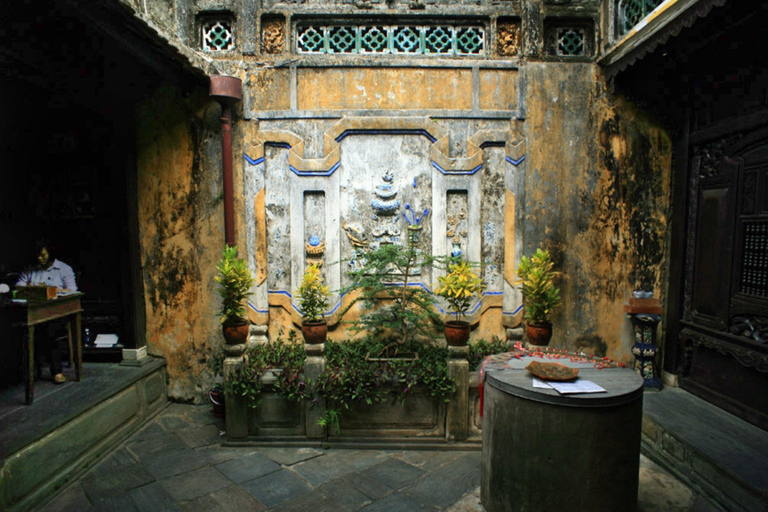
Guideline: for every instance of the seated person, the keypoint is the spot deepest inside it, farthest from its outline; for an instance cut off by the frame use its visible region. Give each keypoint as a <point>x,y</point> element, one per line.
<point>50,272</point>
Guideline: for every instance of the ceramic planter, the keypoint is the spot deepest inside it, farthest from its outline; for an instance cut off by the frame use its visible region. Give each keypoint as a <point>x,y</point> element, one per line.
<point>314,332</point>
<point>236,333</point>
<point>538,334</point>
<point>457,333</point>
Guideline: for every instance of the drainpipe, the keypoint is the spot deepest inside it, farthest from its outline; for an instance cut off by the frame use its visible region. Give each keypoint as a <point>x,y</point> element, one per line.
<point>227,90</point>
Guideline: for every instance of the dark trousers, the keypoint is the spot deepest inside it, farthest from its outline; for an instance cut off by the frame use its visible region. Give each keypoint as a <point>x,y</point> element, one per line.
<point>47,347</point>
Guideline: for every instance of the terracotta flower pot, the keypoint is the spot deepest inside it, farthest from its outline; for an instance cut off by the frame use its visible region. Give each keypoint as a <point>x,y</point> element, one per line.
<point>217,399</point>
<point>457,333</point>
<point>539,334</point>
<point>314,332</point>
<point>236,333</point>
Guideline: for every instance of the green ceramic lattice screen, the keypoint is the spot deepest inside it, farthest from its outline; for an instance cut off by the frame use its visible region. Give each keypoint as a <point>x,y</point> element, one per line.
<point>391,39</point>
<point>570,42</point>
<point>631,12</point>
<point>217,35</point>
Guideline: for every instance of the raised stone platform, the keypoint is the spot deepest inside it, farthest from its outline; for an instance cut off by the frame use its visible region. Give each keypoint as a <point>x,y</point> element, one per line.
<point>717,454</point>
<point>68,427</point>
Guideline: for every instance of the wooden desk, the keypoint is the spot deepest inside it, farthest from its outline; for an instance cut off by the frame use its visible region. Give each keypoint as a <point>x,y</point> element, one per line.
<point>34,313</point>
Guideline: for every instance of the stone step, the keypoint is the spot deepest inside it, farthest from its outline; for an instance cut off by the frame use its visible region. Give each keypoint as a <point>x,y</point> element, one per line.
<point>717,454</point>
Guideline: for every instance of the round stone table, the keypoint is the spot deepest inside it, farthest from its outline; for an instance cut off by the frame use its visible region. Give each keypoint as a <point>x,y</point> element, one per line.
<point>543,451</point>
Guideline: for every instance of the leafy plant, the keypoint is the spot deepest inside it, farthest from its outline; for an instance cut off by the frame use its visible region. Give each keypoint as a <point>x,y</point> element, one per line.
<point>313,294</point>
<point>288,357</point>
<point>540,297</point>
<point>236,281</point>
<point>459,286</point>
<point>399,310</point>
<point>350,378</point>
<point>481,349</point>
<point>331,419</point>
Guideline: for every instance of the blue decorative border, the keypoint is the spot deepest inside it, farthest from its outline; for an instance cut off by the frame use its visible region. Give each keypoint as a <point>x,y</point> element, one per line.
<point>419,284</point>
<point>423,132</point>
<point>515,162</point>
<point>252,161</point>
<point>315,173</point>
<point>456,173</point>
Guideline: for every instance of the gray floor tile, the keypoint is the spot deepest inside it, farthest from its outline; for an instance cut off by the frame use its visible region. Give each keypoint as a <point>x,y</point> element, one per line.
<point>358,459</point>
<point>395,503</point>
<point>394,473</point>
<point>196,483</point>
<point>197,436</point>
<point>202,415</point>
<point>313,500</point>
<point>119,503</point>
<point>247,468</point>
<point>291,456</point>
<point>277,487</point>
<point>150,430</point>
<point>370,487</point>
<point>218,454</point>
<point>345,497</point>
<point>440,459</point>
<point>174,463</point>
<point>465,470</point>
<point>155,445</point>
<point>117,459</point>
<point>229,499</point>
<point>437,491</point>
<point>105,484</point>
<point>151,498</point>
<point>415,457</point>
<point>73,499</point>
<point>321,470</point>
<point>173,422</point>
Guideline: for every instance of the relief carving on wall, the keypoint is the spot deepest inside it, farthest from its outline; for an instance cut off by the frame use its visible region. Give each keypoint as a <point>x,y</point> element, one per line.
<point>273,36</point>
<point>315,250</point>
<point>508,38</point>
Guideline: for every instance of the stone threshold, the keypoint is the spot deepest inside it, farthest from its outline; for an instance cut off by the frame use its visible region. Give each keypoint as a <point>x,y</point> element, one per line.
<point>715,453</point>
<point>70,427</point>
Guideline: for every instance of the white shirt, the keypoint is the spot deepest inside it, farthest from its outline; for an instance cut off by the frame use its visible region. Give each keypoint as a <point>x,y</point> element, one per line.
<point>59,275</point>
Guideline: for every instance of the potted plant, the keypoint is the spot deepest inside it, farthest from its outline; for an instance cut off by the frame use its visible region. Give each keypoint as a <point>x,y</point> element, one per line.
<point>235,283</point>
<point>314,301</point>
<point>540,297</point>
<point>458,287</point>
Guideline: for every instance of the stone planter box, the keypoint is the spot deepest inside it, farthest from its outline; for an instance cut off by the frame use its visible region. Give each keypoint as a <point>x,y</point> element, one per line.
<point>419,420</point>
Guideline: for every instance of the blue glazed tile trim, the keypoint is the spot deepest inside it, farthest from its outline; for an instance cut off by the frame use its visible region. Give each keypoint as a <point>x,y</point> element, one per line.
<point>493,144</point>
<point>425,133</point>
<point>459,173</point>
<point>515,162</point>
<point>315,173</point>
<point>254,308</point>
<point>278,145</point>
<point>252,161</point>
<point>516,311</point>
<point>419,284</point>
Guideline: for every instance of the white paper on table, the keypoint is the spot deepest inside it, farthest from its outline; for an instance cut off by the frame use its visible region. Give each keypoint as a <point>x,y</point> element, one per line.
<point>579,386</point>
<point>105,340</point>
<point>538,383</point>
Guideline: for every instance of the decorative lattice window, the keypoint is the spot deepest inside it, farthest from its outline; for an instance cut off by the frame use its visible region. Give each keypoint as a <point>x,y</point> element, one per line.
<point>631,12</point>
<point>391,39</point>
<point>218,35</point>
<point>754,269</point>
<point>570,42</point>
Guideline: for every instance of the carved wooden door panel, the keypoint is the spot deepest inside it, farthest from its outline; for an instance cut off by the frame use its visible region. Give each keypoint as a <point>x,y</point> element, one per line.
<point>725,311</point>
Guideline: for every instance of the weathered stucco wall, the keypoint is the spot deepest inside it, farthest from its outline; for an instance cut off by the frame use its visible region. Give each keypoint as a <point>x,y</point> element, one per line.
<point>181,227</point>
<point>597,195</point>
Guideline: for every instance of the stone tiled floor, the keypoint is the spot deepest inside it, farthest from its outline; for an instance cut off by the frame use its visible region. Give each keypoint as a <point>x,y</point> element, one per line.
<point>175,463</point>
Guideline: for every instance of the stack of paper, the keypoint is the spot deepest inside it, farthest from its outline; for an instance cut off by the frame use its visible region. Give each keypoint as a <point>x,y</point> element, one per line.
<point>565,388</point>
<point>105,340</point>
